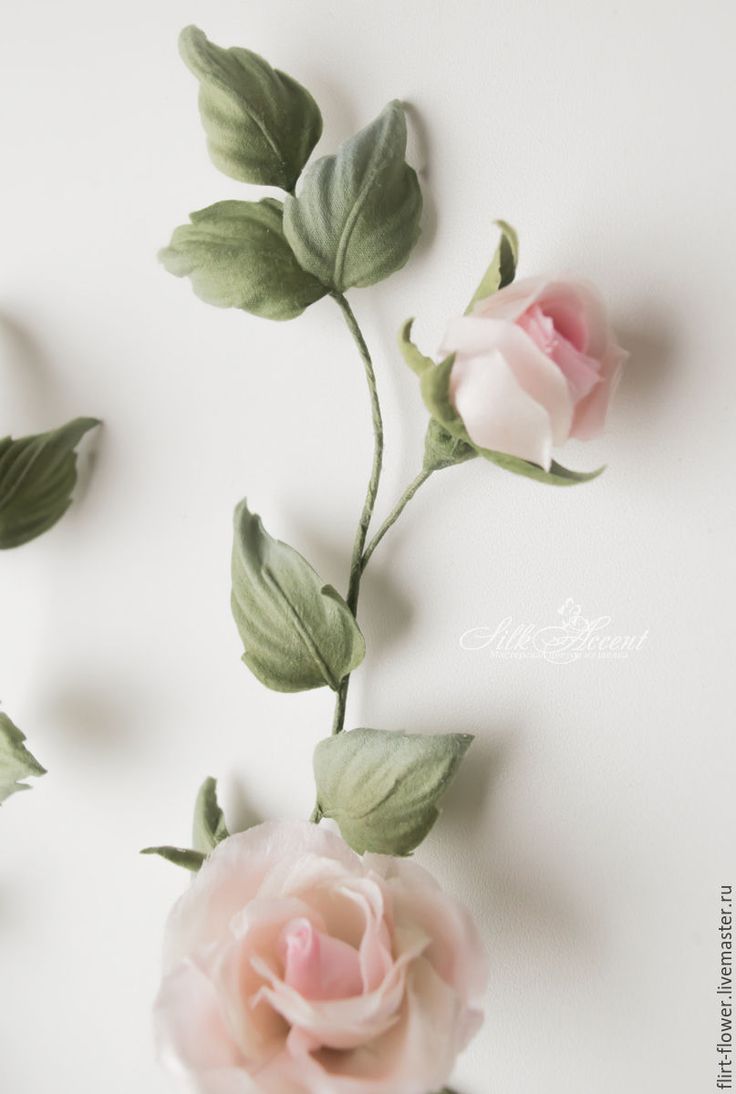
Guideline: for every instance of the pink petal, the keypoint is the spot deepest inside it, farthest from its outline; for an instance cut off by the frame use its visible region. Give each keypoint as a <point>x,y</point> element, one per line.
<point>317,965</point>
<point>191,1031</point>
<point>535,373</point>
<point>591,412</point>
<point>456,949</point>
<point>268,857</point>
<point>497,412</point>
<point>513,301</point>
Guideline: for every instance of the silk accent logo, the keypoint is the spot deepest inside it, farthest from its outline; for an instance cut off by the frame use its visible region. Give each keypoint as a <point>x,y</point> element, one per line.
<point>574,637</point>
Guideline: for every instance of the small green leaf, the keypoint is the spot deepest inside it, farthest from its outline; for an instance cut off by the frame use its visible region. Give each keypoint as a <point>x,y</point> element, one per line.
<point>502,269</point>
<point>298,632</point>
<point>209,826</point>
<point>261,125</point>
<point>356,217</point>
<point>16,762</point>
<point>37,476</point>
<point>180,856</point>
<point>236,256</point>
<point>382,788</point>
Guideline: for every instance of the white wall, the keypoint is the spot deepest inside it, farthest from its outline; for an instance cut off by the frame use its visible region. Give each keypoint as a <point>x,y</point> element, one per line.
<point>595,825</point>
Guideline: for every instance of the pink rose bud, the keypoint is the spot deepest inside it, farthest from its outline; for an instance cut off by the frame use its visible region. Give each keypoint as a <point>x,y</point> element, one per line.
<point>294,965</point>
<point>535,364</point>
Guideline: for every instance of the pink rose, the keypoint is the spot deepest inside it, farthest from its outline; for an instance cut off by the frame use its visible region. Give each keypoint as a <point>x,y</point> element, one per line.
<point>535,364</point>
<point>293,964</point>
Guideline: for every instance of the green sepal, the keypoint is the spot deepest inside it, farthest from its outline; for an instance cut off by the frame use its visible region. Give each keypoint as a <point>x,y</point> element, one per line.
<point>37,476</point>
<point>502,269</point>
<point>298,632</point>
<point>236,256</point>
<point>356,217</point>
<point>434,383</point>
<point>441,449</point>
<point>180,856</point>
<point>415,359</point>
<point>261,125</point>
<point>16,762</point>
<point>209,827</point>
<point>382,788</point>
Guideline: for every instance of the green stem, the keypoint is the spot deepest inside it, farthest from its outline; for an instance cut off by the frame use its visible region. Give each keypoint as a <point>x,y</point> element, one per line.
<point>396,512</point>
<point>356,562</point>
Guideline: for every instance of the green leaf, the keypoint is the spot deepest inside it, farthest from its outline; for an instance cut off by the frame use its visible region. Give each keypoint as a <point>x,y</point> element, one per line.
<point>356,217</point>
<point>16,762</point>
<point>37,476</point>
<point>382,788</point>
<point>236,256</point>
<point>261,125</point>
<point>298,633</point>
<point>209,826</point>
<point>180,856</point>
<point>502,269</point>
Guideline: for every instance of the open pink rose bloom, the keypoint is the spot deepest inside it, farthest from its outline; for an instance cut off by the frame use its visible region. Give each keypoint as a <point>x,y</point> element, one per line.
<point>535,364</point>
<point>293,964</point>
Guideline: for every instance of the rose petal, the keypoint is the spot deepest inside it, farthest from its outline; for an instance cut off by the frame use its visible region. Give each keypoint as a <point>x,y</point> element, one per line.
<point>191,1031</point>
<point>410,1058</point>
<point>456,950</point>
<point>265,855</point>
<point>534,372</point>
<point>318,966</point>
<point>497,412</point>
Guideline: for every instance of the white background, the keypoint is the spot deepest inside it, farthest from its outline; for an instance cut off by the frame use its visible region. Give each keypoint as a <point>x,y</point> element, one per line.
<point>593,825</point>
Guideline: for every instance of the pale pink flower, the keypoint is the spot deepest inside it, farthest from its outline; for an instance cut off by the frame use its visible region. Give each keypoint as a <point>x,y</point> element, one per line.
<point>294,965</point>
<point>535,364</point>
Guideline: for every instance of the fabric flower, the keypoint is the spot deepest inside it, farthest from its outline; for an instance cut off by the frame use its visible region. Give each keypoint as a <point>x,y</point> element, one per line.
<point>535,364</point>
<point>294,965</point>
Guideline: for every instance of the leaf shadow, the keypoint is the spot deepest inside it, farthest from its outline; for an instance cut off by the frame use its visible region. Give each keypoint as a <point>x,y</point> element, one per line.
<point>32,380</point>
<point>239,811</point>
<point>26,365</point>
<point>342,120</point>
<point>419,154</point>
<point>385,612</point>
<point>94,716</point>
<point>510,891</point>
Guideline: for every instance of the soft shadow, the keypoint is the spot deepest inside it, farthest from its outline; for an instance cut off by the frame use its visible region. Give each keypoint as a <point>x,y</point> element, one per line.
<point>651,344</point>
<point>385,612</point>
<point>522,901</point>
<point>419,154</point>
<point>25,364</point>
<point>240,813</point>
<point>472,790</point>
<point>340,117</point>
<point>98,717</point>
<point>89,452</point>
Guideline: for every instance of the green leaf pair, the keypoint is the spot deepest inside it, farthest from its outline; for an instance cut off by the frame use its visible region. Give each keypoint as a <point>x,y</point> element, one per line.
<point>298,632</point>
<point>382,788</point>
<point>353,223</point>
<point>208,829</point>
<point>37,476</point>
<point>16,762</point>
<point>447,440</point>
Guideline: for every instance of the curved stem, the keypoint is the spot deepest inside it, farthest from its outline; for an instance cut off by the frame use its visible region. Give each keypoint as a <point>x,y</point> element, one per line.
<point>396,512</point>
<point>356,563</point>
